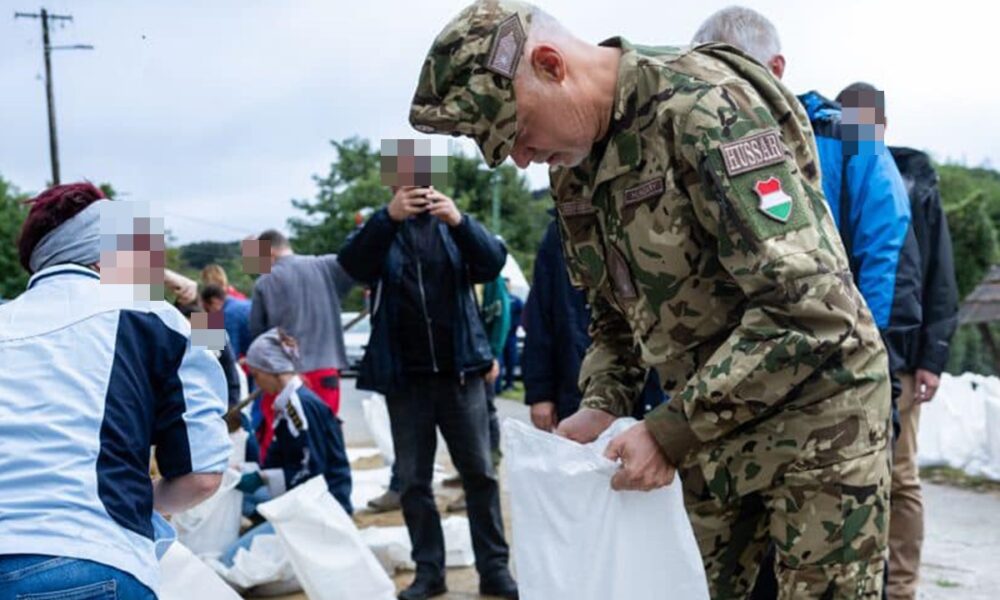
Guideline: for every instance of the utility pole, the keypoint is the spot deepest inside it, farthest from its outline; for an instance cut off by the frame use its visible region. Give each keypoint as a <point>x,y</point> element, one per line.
<point>495,181</point>
<point>47,48</point>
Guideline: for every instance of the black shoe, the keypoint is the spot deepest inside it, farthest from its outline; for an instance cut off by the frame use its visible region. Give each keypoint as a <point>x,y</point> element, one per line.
<point>501,584</point>
<point>423,588</point>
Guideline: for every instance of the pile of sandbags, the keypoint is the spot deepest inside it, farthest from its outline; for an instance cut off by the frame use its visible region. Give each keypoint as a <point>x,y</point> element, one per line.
<point>960,427</point>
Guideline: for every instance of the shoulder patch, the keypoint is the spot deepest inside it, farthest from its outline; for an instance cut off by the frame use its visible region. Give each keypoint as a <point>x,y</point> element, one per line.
<point>752,153</point>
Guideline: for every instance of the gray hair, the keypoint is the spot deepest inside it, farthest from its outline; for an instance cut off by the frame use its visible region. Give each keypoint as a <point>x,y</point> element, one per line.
<point>743,28</point>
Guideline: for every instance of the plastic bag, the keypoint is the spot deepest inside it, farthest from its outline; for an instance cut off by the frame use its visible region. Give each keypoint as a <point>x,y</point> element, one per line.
<point>322,543</point>
<point>577,539</point>
<point>377,418</point>
<point>210,527</point>
<point>183,576</point>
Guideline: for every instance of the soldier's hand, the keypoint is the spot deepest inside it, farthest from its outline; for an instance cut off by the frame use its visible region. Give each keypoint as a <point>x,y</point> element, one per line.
<point>543,415</point>
<point>644,467</point>
<point>925,385</point>
<point>585,425</point>
<point>408,201</point>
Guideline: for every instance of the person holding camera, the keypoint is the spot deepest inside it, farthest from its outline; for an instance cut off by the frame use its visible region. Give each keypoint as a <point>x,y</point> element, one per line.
<point>429,355</point>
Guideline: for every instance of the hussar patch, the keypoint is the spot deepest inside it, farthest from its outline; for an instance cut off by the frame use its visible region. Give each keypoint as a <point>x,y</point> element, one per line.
<point>752,153</point>
<point>507,46</point>
<point>774,202</point>
<point>646,189</point>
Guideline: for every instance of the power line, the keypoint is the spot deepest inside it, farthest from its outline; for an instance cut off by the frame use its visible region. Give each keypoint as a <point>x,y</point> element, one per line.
<point>45,17</point>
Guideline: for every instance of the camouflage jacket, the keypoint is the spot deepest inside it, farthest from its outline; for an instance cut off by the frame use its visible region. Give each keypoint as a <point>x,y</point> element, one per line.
<point>700,229</point>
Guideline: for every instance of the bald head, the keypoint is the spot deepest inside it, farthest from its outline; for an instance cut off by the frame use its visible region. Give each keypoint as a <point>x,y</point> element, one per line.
<point>748,30</point>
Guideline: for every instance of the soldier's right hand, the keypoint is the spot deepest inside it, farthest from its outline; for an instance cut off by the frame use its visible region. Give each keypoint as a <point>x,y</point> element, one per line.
<point>585,425</point>
<point>407,201</point>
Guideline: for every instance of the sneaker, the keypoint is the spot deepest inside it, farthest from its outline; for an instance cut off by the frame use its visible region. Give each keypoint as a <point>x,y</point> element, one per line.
<point>456,505</point>
<point>385,503</point>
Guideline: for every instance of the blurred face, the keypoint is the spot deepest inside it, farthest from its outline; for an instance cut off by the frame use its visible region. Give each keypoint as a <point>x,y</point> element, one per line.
<point>551,127</point>
<point>213,304</point>
<point>267,381</point>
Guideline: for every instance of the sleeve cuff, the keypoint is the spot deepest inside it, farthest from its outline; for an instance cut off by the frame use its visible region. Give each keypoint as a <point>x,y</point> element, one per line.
<point>617,408</point>
<point>275,481</point>
<point>673,433</point>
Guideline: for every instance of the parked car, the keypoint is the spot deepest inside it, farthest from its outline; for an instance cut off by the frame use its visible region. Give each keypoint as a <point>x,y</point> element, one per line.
<point>355,338</point>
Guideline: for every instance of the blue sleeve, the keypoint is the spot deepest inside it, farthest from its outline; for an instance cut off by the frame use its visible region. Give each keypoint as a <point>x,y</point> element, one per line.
<point>880,219</point>
<point>538,361</point>
<point>190,433</point>
<point>483,253</point>
<point>365,250</point>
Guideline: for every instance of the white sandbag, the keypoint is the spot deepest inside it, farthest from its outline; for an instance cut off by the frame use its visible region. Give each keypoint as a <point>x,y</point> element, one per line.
<point>239,454</point>
<point>264,563</point>
<point>575,537</point>
<point>377,418</point>
<point>322,542</point>
<point>392,548</point>
<point>210,527</point>
<point>355,453</point>
<point>992,469</point>
<point>953,425</point>
<point>183,576</point>
<point>368,484</point>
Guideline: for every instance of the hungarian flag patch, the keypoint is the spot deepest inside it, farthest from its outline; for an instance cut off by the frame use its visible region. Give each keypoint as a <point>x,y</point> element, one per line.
<point>774,202</point>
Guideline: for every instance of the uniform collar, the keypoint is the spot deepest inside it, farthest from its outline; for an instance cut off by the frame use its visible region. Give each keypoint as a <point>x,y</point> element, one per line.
<point>622,146</point>
<point>61,270</point>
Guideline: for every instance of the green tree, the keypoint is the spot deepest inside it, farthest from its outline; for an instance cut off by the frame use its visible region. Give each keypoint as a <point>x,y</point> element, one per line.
<point>13,277</point>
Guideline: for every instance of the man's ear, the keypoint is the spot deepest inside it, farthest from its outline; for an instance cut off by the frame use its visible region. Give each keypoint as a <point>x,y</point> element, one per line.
<point>777,65</point>
<point>548,63</point>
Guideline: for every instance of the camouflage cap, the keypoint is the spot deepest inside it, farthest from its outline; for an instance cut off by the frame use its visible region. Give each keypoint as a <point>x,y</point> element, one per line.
<point>466,86</point>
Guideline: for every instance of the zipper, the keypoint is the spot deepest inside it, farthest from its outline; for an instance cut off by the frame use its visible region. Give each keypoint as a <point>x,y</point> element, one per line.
<point>427,319</point>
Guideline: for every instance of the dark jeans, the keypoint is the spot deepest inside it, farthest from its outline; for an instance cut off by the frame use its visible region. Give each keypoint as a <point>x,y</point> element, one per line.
<point>462,414</point>
<point>396,486</point>
<point>37,576</point>
<point>509,360</point>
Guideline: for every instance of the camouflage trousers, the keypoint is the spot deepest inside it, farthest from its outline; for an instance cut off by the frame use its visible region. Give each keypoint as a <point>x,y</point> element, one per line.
<point>829,525</point>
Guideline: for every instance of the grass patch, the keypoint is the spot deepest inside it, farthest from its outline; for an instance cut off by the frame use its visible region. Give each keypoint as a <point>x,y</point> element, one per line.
<point>957,478</point>
<point>515,393</point>
<point>945,583</point>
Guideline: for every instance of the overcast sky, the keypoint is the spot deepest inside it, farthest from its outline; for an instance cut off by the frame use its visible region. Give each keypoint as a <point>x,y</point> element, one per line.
<point>220,112</point>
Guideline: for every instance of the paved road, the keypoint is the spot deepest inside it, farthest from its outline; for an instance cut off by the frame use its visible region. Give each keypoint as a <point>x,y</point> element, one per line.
<point>962,546</point>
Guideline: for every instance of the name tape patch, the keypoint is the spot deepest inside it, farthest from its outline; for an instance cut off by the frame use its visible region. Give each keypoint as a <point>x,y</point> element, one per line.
<point>752,153</point>
<point>646,189</point>
<point>575,208</point>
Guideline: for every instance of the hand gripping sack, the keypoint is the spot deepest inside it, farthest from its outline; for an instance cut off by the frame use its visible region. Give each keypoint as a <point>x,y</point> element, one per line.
<point>575,538</point>
<point>326,551</point>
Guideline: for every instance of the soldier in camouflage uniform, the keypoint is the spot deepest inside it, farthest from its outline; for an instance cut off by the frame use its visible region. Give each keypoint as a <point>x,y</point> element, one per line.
<point>689,196</point>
